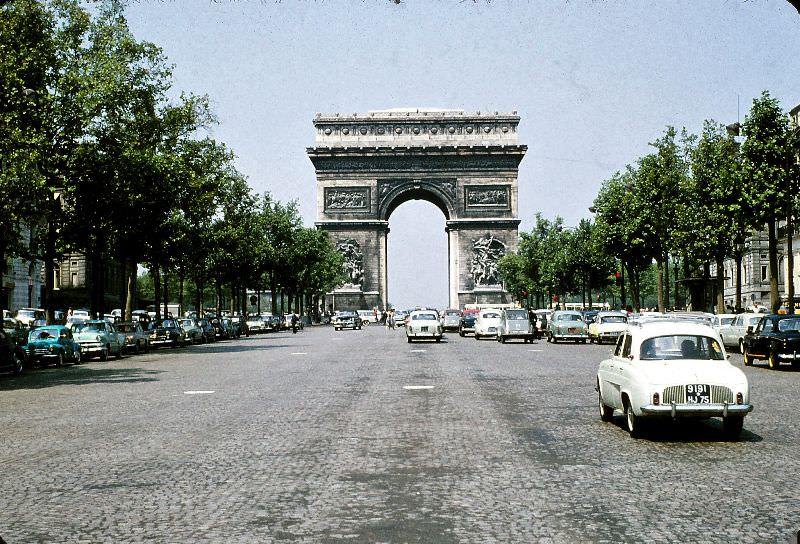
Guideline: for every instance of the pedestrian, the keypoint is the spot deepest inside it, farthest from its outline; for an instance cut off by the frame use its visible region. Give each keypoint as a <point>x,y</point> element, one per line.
<point>384,316</point>
<point>294,323</point>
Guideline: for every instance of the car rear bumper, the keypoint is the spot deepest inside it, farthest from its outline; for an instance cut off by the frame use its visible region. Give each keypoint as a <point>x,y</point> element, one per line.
<point>696,410</point>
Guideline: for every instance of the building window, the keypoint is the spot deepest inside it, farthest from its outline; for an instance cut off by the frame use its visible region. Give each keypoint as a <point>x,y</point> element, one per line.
<point>763,272</point>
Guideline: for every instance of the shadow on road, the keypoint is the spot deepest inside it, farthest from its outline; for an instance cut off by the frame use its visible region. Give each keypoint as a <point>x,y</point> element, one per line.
<point>690,430</point>
<point>75,375</point>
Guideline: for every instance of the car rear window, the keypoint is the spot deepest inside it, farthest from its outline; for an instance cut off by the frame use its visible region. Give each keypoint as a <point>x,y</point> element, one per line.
<point>681,346</point>
<point>423,317</point>
<point>516,314</point>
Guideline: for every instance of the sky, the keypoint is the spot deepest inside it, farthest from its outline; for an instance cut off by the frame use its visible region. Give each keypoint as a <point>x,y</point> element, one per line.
<point>593,82</point>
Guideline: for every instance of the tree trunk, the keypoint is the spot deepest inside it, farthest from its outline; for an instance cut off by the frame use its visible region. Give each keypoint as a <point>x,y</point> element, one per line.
<point>181,278</point>
<point>157,290</point>
<point>666,282</point>
<point>131,287</point>
<point>720,284</point>
<point>790,258</point>
<point>774,295</point>
<point>738,302</point>
<point>660,284</point>
<point>165,282</point>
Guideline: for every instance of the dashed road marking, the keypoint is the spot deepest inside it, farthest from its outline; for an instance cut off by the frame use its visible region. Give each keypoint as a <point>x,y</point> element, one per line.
<point>419,351</point>
<point>417,387</point>
<point>300,353</point>
<point>198,392</point>
<point>536,350</point>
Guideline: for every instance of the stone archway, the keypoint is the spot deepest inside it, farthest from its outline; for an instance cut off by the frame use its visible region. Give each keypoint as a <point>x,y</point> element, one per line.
<point>465,164</point>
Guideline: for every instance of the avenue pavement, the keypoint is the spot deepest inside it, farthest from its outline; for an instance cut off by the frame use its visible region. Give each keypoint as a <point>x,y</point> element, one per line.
<point>358,436</point>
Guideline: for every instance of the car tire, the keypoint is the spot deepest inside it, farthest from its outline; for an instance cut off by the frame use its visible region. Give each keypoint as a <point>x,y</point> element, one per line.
<point>409,339</point>
<point>438,338</point>
<point>732,427</point>
<point>606,412</point>
<point>60,359</point>
<point>746,356</point>
<point>19,363</point>
<point>633,422</point>
<point>477,336</point>
<point>774,363</point>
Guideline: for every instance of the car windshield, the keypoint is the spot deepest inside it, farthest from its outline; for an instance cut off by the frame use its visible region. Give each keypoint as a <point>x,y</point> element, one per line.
<point>42,334</point>
<point>89,327</point>
<point>454,313</point>
<point>613,319</point>
<point>516,314</point>
<point>424,317</point>
<point>791,324</point>
<point>167,324</point>
<point>681,346</point>
<point>187,323</point>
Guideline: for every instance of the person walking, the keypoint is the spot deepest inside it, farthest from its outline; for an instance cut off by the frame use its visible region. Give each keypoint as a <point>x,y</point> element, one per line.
<point>294,323</point>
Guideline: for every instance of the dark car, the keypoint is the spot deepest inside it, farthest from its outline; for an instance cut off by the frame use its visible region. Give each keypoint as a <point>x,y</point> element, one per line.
<point>193,330</point>
<point>775,338</point>
<point>134,337</point>
<point>52,343</point>
<point>467,323</point>
<point>209,333</point>
<point>167,332</point>
<point>346,320</point>
<point>219,331</point>
<point>12,355</point>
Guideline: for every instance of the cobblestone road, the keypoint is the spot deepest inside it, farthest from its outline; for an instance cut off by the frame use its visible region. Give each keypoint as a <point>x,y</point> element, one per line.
<point>357,436</point>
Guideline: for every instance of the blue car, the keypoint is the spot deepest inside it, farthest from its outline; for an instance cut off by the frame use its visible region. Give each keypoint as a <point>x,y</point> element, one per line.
<point>52,343</point>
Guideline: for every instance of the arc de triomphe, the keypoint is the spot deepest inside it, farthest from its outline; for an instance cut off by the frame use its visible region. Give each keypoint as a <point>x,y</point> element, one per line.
<point>464,163</point>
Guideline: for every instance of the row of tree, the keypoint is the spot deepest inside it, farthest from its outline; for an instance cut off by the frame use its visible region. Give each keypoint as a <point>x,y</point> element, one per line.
<point>98,159</point>
<point>691,203</point>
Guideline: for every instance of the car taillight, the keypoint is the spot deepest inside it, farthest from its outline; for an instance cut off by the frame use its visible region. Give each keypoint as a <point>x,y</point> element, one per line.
<point>739,398</point>
<point>656,399</point>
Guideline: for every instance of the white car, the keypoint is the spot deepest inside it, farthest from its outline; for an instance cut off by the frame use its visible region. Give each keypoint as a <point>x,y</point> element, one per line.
<point>665,369</point>
<point>607,326</point>
<point>487,322</point>
<point>733,334</point>
<point>255,323</point>
<point>423,324</point>
<point>367,316</point>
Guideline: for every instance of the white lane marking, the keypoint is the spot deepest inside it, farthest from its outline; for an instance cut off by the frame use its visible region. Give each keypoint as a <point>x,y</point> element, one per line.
<point>300,353</point>
<point>536,350</point>
<point>419,350</point>
<point>416,387</point>
<point>198,392</point>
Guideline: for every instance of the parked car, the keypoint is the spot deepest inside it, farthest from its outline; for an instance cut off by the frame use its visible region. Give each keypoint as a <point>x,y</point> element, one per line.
<point>193,331</point>
<point>52,343</point>
<point>720,321</point>
<point>514,323</point>
<point>134,337</point>
<point>451,319</point>
<point>27,316</point>
<point>230,330</point>
<point>400,317</point>
<point>97,338</point>
<point>775,338</point>
<point>167,332</point>
<point>607,326</point>
<point>346,319</point>
<point>466,324</point>
<point>16,330</point>
<point>567,325</point>
<point>423,325</point>
<point>12,355</point>
<point>487,322</point>
<point>367,316</point>
<point>666,369</point>
<point>219,331</point>
<point>256,324</point>
<point>733,334</point>
<point>209,333</point>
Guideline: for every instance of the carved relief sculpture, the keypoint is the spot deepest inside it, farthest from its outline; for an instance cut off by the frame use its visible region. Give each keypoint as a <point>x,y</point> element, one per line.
<point>353,261</point>
<point>485,254</point>
<point>346,199</point>
<point>496,196</point>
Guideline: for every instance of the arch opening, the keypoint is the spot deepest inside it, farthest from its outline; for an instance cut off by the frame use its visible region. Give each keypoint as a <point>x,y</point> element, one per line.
<point>417,255</point>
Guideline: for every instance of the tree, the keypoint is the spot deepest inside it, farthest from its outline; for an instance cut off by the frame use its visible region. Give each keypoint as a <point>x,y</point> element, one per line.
<point>766,152</point>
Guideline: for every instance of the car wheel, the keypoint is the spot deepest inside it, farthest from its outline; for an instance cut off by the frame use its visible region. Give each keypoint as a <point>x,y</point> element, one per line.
<point>76,358</point>
<point>773,361</point>
<point>477,336</point>
<point>19,363</point>
<point>438,338</point>
<point>746,356</point>
<point>60,359</point>
<point>606,412</point>
<point>634,423</point>
<point>732,426</point>
<point>409,339</point>
<point>104,354</point>
<point>554,339</point>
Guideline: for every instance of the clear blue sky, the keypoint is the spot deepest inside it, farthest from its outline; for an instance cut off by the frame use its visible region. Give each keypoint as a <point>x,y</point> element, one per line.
<point>593,82</point>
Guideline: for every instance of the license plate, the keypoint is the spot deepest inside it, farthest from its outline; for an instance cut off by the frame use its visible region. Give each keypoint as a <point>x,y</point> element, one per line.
<point>698,393</point>
<point>424,329</point>
<point>572,330</point>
